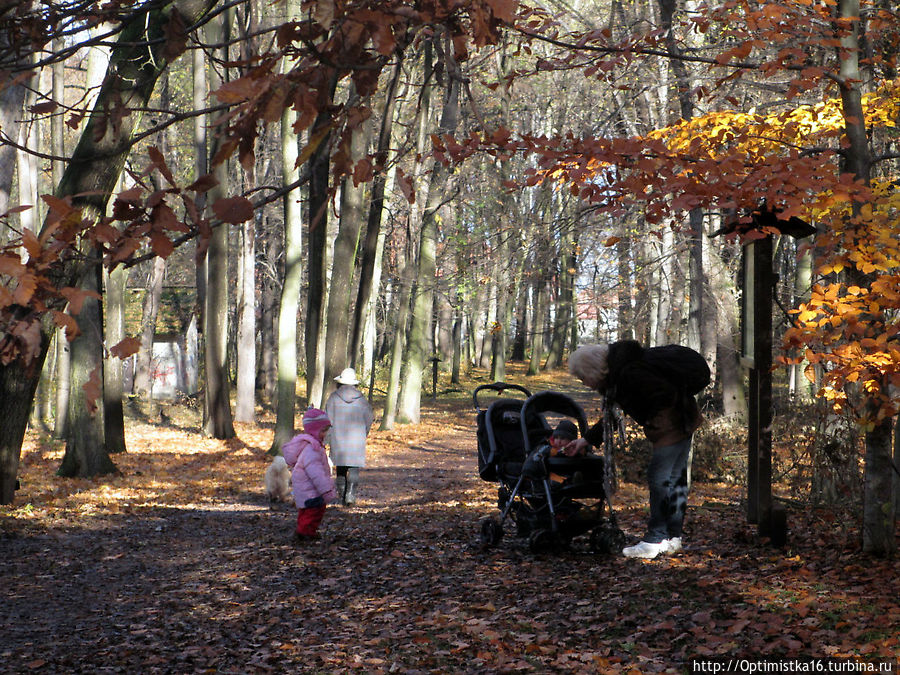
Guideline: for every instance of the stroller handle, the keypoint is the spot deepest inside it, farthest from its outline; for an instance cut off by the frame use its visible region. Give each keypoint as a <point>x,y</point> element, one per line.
<point>498,387</point>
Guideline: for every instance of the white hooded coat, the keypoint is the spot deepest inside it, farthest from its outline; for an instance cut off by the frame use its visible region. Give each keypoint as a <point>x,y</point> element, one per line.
<point>351,418</point>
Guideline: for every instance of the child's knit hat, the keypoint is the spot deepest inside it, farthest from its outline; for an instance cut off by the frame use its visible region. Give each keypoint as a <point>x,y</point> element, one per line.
<point>567,430</point>
<point>314,420</point>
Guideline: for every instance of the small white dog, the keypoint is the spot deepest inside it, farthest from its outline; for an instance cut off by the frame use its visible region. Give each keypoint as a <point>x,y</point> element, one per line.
<point>278,480</point>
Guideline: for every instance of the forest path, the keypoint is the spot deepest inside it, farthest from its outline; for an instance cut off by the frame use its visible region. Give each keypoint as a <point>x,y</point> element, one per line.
<point>181,566</point>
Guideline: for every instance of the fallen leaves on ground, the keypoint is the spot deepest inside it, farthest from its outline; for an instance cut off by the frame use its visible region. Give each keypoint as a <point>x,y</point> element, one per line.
<point>179,564</point>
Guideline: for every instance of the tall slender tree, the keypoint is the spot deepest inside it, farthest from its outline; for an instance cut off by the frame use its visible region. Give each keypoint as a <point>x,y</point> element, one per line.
<point>423,300</point>
<point>344,259</point>
<point>217,419</point>
<point>291,284</point>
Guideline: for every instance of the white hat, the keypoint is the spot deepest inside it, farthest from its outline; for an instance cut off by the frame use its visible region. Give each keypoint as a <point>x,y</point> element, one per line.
<point>347,376</point>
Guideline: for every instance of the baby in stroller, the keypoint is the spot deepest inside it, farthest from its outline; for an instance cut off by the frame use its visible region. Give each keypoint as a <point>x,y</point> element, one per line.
<point>559,443</point>
<point>540,487</point>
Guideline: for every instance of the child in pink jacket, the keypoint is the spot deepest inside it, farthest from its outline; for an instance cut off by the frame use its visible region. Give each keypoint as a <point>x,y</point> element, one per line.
<point>313,486</point>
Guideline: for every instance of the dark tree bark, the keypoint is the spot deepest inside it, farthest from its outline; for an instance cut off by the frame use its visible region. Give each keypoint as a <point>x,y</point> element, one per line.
<point>373,223</point>
<point>86,451</point>
<point>319,168</point>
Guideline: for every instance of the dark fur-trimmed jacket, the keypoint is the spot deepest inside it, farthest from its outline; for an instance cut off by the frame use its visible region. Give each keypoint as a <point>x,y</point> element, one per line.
<point>667,414</point>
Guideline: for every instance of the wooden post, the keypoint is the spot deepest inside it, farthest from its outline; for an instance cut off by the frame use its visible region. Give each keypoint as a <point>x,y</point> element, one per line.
<point>753,447</point>
<point>759,288</point>
<point>756,355</point>
<point>764,283</point>
<point>749,307</point>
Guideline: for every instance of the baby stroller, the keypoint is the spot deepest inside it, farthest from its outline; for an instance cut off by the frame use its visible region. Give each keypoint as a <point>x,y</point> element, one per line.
<point>513,451</point>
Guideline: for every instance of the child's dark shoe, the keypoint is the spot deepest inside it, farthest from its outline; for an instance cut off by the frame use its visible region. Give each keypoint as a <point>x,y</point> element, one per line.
<point>301,539</point>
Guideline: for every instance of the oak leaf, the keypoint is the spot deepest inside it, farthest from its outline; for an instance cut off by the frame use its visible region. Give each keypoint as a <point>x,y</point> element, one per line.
<point>234,210</point>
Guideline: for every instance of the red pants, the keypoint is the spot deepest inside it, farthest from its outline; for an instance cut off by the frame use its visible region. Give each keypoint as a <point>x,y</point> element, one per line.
<point>308,520</point>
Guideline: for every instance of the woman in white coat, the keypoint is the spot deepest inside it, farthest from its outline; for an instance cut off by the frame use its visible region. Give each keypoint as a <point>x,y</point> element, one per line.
<point>351,418</point>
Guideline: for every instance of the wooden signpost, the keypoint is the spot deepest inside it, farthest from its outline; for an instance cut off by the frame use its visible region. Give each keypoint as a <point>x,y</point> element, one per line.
<point>759,281</point>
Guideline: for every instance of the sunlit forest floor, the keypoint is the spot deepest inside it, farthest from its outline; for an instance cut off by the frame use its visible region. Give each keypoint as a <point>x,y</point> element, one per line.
<point>180,565</point>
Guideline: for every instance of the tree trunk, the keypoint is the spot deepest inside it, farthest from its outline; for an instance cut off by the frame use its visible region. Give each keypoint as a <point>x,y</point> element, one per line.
<point>878,508</point>
<point>12,100</point>
<point>665,291</point>
<point>368,280</point>
<point>246,351</point>
<point>399,345</point>
<point>26,164</point>
<point>217,419</point>
<point>292,278</point>
<point>519,343</point>
<point>30,183</point>
<point>879,516</point>
<point>697,286</point>
<point>443,340</point>
<point>685,88</point>
<point>801,388</point>
<point>343,267</point>
<point>499,328</point>
<point>290,295</point>
<point>113,390</point>
<point>457,345</point>
<point>624,286</point>
<point>730,372</point>
<point>373,347</point>
<point>63,358</point>
<point>565,305</point>
<point>409,273</point>
<point>199,93</point>
<point>86,452</point>
<point>896,468</point>
<point>423,301</point>
<point>17,386</point>
<point>501,331</point>
<point>539,322</point>
<point>217,401</point>
<point>267,367</point>
<point>319,167</point>
<point>143,369</point>
<point>245,401</point>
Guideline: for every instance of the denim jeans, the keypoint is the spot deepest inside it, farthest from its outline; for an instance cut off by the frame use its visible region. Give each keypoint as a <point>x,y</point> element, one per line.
<point>667,478</point>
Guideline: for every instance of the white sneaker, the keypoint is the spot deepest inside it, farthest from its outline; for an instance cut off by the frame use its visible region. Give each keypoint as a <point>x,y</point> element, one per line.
<point>645,549</point>
<point>673,545</point>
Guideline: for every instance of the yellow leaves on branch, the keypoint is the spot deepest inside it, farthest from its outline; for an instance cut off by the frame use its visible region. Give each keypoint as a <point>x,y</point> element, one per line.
<point>852,329</point>
<point>716,134</point>
<point>871,363</point>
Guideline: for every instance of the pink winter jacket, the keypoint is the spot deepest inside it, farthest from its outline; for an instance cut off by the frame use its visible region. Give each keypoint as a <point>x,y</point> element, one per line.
<point>310,473</point>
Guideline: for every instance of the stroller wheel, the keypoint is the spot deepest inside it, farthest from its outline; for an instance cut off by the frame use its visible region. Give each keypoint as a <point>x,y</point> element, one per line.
<point>607,539</point>
<point>491,532</point>
<point>545,541</point>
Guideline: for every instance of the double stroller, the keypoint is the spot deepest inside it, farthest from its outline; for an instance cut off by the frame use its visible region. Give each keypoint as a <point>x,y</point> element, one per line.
<point>543,495</point>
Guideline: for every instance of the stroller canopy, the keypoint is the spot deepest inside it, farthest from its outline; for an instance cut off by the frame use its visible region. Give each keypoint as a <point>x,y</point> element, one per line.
<point>536,406</point>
